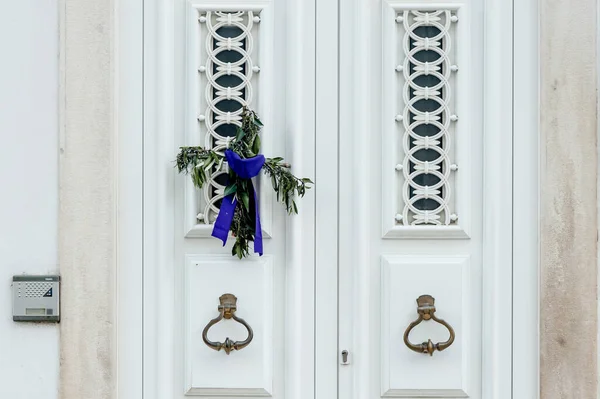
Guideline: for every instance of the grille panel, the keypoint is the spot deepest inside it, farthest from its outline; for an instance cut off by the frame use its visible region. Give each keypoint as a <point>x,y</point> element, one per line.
<point>36,289</point>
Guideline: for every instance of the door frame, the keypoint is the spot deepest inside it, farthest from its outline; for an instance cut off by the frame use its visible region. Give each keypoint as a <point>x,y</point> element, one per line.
<point>514,290</point>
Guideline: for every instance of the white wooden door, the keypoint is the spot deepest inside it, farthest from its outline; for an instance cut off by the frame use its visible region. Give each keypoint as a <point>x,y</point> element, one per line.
<point>423,182</point>
<point>392,107</point>
<point>204,61</point>
<point>411,222</point>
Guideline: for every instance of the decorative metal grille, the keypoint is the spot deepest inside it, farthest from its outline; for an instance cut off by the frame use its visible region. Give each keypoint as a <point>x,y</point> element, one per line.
<point>427,118</point>
<point>228,73</point>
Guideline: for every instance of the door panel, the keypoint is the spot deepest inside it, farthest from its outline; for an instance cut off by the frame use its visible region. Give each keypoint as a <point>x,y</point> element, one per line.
<point>404,373</point>
<point>204,61</point>
<point>227,64</point>
<point>207,371</point>
<point>412,208</point>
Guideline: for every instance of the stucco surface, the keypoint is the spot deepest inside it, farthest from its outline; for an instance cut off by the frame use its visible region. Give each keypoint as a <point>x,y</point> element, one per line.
<point>29,352</point>
<point>568,269</point>
<point>87,214</point>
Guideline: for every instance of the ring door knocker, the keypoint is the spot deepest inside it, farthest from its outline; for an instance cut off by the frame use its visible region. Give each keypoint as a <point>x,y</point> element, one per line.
<point>426,311</point>
<point>227,310</point>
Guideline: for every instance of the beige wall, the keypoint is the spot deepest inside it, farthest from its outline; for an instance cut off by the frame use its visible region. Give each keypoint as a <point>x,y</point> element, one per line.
<point>87,200</point>
<point>568,199</point>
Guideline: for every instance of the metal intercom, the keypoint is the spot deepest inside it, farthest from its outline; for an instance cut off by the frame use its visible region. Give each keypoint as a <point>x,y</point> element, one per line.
<point>36,298</point>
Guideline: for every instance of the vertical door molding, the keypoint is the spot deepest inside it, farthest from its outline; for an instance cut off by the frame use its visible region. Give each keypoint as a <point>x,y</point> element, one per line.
<point>87,214</point>
<point>164,112</point>
<point>498,200</point>
<point>525,255</point>
<point>301,241</point>
<point>327,128</point>
<point>129,74</point>
<point>568,195</point>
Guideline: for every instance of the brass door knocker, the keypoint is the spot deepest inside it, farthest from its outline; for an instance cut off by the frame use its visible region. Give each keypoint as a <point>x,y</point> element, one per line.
<point>426,311</point>
<point>227,310</point>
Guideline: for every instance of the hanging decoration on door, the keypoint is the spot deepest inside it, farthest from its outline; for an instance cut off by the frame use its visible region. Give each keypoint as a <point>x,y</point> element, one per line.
<point>239,211</point>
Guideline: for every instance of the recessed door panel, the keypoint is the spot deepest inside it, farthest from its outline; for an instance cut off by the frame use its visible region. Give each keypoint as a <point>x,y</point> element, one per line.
<point>211,371</point>
<point>405,372</point>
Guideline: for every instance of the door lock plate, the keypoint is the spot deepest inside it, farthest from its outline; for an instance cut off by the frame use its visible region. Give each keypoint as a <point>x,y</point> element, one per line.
<point>345,357</point>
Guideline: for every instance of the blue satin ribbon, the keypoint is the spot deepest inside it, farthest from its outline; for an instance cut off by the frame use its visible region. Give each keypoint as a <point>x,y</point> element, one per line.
<point>246,169</point>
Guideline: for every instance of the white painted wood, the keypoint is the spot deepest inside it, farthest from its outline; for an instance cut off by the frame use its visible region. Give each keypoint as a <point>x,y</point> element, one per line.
<point>252,283</point>
<point>335,269</point>
<point>361,320</point>
<point>355,97</point>
<point>498,200</point>
<point>526,166</point>
<point>425,393</point>
<point>179,364</point>
<point>401,283</point>
<point>196,105</point>
<point>300,263</point>
<point>158,194</point>
<point>460,104</point>
<point>129,305</point>
<point>328,130</point>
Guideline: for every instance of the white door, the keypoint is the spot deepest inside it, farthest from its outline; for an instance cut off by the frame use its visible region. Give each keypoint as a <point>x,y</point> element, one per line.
<point>392,108</point>
<point>204,61</point>
<point>411,209</point>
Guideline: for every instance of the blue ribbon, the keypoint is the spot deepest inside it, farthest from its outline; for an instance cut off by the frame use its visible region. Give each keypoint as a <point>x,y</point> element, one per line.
<point>246,169</point>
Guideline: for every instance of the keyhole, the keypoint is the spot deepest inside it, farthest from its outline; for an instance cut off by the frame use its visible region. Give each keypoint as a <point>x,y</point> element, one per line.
<point>344,356</point>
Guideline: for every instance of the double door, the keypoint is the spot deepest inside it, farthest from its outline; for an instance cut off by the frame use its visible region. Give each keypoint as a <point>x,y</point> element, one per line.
<point>395,278</point>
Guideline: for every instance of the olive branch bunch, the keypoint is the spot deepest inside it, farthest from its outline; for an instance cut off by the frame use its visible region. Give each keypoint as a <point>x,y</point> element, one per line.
<point>200,163</point>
